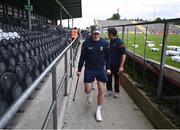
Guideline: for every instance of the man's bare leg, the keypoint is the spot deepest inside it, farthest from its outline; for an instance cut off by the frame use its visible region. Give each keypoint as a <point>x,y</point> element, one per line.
<point>100,99</point>
<point>88,89</point>
<point>101,93</point>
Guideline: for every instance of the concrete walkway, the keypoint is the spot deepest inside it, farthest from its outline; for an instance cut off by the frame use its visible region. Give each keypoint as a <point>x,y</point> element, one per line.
<point>118,113</point>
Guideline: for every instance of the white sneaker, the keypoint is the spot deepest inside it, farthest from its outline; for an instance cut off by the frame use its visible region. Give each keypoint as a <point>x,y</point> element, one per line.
<point>98,115</point>
<point>89,97</point>
<point>108,93</point>
<point>116,95</point>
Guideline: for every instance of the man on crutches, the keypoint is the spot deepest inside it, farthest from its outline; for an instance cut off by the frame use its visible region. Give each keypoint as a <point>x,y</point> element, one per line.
<point>96,56</point>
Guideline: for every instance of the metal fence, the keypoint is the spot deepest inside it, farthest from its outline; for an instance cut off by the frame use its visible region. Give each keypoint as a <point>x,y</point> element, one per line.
<point>68,66</point>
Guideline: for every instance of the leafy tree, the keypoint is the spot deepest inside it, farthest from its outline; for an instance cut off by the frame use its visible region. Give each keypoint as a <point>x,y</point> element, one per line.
<point>115,16</point>
<point>158,19</point>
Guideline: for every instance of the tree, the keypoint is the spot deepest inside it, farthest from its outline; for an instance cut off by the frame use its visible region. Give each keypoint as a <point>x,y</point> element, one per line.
<point>115,16</point>
<point>158,19</point>
<point>164,19</point>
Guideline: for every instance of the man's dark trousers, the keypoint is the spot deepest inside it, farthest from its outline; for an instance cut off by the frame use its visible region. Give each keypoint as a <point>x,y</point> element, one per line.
<point>114,72</point>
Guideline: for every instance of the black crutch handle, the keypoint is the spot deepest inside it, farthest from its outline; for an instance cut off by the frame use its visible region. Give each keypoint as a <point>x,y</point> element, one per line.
<point>76,88</point>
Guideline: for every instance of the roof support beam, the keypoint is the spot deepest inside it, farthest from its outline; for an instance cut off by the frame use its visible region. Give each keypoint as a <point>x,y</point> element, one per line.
<point>60,4</point>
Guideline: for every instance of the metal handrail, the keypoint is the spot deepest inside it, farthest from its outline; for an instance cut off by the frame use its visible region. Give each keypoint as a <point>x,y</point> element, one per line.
<point>49,114</point>
<point>8,115</point>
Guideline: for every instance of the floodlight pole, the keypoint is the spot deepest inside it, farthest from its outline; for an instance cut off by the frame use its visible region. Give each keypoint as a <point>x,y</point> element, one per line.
<point>163,58</point>
<point>29,15</point>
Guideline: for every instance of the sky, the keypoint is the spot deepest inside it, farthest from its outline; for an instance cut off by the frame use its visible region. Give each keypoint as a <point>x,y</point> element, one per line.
<point>146,9</point>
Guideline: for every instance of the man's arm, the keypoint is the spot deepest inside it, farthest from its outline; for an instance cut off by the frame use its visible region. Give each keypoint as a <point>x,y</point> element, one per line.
<point>121,67</point>
<point>123,56</point>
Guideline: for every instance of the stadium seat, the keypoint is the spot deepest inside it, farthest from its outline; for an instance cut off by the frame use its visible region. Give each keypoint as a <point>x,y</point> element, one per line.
<point>27,46</point>
<point>4,105</point>
<point>12,41</point>
<point>16,91</point>
<point>31,65</point>
<point>2,67</point>
<point>5,53</point>
<point>5,42</point>
<point>10,86</point>
<point>36,51</point>
<point>11,63</point>
<point>23,76</point>
<point>22,48</point>
<point>26,56</point>
<point>37,66</point>
<point>42,62</point>
<point>14,51</point>
<point>18,40</point>
<point>32,53</point>
<point>19,59</point>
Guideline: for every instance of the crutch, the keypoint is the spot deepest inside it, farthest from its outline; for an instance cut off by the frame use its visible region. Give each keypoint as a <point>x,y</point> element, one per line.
<point>76,88</point>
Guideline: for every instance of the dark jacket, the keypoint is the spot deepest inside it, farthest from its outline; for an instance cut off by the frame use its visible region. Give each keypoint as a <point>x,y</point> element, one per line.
<point>117,49</point>
<point>95,54</point>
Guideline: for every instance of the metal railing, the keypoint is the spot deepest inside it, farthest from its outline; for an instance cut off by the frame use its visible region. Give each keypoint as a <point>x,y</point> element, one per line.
<point>164,45</point>
<point>13,109</point>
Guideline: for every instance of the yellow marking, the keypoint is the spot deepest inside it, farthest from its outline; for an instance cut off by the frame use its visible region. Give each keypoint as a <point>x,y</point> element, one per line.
<point>96,22</point>
<point>141,27</point>
<point>177,26</point>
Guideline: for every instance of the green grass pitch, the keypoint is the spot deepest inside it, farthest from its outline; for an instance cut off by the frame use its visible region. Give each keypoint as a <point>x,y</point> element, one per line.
<point>172,40</point>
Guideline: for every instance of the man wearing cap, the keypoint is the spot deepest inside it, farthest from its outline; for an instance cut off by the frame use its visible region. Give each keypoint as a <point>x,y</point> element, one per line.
<point>96,56</point>
<point>118,57</point>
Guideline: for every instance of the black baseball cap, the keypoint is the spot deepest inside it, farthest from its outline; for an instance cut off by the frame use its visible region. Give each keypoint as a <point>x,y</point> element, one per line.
<point>95,29</point>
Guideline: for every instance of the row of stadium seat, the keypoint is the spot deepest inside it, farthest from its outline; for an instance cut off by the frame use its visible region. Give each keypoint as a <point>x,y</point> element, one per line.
<point>23,59</point>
